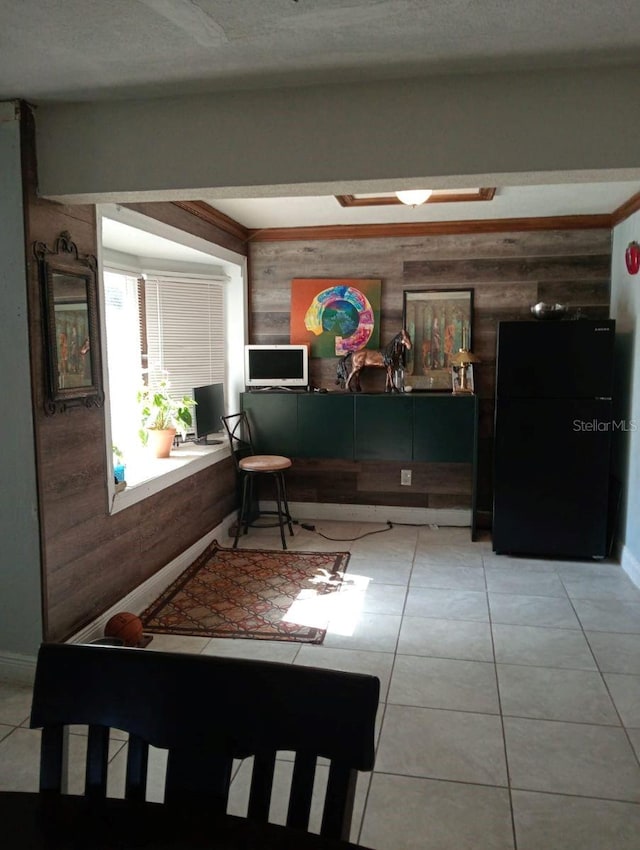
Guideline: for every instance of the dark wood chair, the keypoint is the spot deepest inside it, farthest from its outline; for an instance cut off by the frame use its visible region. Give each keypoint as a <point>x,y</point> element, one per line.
<point>248,466</point>
<point>207,711</point>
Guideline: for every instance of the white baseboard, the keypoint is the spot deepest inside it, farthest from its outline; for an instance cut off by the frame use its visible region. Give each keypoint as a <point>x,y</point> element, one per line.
<point>630,565</point>
<point>375,513</point>
<point>20,669</point>
<point>144,594</point>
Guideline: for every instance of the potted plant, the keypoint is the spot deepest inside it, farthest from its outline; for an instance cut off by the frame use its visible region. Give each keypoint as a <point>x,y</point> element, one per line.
<point>162,416</point>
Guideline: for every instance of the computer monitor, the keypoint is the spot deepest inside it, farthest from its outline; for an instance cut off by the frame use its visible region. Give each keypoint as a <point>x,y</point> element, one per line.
<point>208,410</point>
<point>276,366</point>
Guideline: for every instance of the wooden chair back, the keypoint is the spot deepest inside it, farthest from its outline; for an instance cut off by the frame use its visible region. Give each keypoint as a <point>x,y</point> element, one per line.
<point>207,711</point>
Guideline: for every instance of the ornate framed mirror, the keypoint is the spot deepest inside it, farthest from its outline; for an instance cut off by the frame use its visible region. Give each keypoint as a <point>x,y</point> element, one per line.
<point>71,328</point>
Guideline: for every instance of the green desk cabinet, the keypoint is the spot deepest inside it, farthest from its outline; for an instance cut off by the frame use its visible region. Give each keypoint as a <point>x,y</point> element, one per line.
<point>273,418</point>
<point>383,427</point>
<point>444,428</point>
<point>420,428</point>
<point>325,425</point>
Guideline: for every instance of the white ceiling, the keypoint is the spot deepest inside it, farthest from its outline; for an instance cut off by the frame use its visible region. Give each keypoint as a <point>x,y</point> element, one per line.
<point>79,49</point>
<point>140,244</point>
<point>92,49</point>
<point>509,202</point>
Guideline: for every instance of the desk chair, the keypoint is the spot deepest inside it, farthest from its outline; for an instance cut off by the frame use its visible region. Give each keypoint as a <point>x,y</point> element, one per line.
<point>248,465</point>
<point>207,711</point>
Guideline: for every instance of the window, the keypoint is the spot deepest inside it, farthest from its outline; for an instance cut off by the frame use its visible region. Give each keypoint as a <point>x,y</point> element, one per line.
<point>124,365</point>
<point>185,330</point>
<point>157,324</point>
<point>168,299</point>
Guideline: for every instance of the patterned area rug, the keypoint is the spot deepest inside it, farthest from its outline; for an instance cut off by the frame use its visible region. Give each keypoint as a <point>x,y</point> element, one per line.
<point>251,593</point>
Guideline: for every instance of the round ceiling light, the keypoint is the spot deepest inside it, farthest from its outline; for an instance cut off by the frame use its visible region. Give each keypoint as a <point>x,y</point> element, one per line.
<point>414,197</point>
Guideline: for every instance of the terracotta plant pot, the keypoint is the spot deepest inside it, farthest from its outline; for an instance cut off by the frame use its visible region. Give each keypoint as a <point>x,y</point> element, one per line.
<point>160,442</point>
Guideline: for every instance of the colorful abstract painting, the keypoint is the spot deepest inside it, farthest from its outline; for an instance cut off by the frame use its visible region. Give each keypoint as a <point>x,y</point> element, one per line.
<point>335,315</point>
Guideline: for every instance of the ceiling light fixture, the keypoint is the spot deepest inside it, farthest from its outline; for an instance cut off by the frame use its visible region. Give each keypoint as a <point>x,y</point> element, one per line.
<point>414,197</point>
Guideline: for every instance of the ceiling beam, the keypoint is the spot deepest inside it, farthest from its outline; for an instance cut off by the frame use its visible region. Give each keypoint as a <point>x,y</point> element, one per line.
<point>449,131</point>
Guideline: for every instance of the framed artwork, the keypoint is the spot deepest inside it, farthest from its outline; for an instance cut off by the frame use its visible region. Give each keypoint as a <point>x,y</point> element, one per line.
<point>439,323</point>
<point>334,316</point>
<point>70,313</point>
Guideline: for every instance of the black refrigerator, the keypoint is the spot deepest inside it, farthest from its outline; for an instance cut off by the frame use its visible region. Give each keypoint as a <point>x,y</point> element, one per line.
<point>553,426</point>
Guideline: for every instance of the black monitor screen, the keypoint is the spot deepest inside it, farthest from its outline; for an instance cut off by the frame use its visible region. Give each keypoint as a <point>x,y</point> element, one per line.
<point>274,364</point>
<point>208,410</point>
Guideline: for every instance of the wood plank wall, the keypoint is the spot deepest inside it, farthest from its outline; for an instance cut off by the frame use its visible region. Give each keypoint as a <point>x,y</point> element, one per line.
<point>508,272</point>
<point>90,558</point>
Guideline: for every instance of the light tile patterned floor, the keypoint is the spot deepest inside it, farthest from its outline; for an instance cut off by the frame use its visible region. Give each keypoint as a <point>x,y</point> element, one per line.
<point>510,713</point>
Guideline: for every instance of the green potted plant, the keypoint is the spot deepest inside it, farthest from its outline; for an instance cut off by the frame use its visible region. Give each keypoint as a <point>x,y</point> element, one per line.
<point>162,416</point>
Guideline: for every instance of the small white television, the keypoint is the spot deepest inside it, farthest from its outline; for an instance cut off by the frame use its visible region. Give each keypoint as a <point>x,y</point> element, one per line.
<point>276,365</point>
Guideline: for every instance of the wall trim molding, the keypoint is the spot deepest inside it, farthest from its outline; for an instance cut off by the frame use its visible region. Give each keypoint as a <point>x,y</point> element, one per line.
<point>626,210</point>
<point>428,228</point>
<point>207,213</point>
<point>630,564</point>
<point>20,669</point>
<point>138,599</point>
<point>376,513</point>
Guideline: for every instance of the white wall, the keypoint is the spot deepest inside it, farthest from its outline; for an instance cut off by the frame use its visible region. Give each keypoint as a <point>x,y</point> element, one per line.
<point>513,129</point>
<point>20,599</point>
<point>625,309</point>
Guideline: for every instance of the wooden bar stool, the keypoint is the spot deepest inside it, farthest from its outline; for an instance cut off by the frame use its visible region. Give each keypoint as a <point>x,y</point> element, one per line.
<point>248,465</point>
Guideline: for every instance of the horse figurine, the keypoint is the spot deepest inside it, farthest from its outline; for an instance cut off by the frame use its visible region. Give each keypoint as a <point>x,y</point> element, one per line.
<point>389,358</point>
<point>343,371</point>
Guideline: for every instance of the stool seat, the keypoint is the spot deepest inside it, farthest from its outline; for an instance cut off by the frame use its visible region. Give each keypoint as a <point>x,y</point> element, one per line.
<point>264,463</point>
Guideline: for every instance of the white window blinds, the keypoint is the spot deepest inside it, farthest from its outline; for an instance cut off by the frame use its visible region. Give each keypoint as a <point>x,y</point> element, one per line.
<point>123,357</point>
<point>185,331</point>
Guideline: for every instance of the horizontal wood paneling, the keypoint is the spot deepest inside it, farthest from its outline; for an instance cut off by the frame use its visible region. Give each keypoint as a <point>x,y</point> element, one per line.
<point>90,558</point>
<point>376,483</point>
<point>509,272</point>
<point>445,478</point>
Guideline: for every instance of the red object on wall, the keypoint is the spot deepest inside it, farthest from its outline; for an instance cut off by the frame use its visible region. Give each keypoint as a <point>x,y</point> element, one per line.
<point>632,257</point>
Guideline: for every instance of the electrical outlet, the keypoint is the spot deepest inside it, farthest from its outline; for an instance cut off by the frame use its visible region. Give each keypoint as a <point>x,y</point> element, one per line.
<point>405,477</point>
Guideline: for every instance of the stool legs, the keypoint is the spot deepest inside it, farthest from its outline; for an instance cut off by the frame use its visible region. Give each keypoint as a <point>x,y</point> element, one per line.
<point>282,507</point>
<point>279,508</point>
<point>286,503</point>
<point>243,511</point>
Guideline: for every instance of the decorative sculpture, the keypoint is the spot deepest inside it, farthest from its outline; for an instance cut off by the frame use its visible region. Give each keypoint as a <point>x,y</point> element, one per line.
<point>389,358</point>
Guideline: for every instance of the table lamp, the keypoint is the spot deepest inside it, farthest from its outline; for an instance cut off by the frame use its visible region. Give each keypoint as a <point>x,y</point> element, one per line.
<point>462,370</point>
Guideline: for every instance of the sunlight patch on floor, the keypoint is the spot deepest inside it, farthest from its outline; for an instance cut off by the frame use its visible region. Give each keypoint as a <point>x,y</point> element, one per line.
<point>339,611</point>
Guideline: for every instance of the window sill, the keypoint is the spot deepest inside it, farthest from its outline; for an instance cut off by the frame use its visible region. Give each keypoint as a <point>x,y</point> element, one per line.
<point>155,474</point>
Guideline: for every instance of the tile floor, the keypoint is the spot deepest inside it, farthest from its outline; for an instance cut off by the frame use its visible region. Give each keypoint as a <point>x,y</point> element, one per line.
<point>510,713</point>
